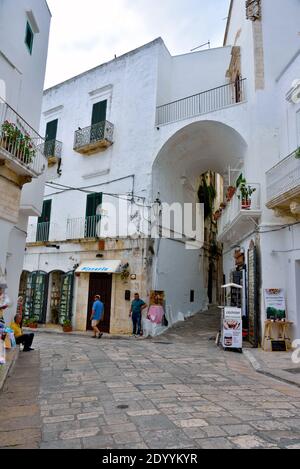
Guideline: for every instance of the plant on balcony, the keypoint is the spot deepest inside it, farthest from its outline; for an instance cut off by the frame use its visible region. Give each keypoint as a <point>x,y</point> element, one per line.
<point>245,193</point>
<point>17,143</point>
<point>231,190</point>
<point>297,154</point>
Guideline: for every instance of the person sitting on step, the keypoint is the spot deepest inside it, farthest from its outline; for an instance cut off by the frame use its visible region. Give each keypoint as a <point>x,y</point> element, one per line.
<point>21,338</point>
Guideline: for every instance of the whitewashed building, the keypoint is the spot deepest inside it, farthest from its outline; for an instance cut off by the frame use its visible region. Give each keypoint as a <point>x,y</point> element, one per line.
<point>24,33</point>
<point>145,127</point>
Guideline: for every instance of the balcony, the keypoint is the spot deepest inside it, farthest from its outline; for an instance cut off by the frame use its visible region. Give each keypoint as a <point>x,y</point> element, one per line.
<point>202,103</point>
<point>21,147</point>
<point>83,228</point>
<point>283,186</point>
<point>237,221</point>
<point>52,151</point>
<point>94,139</point>
<point>42,233</point>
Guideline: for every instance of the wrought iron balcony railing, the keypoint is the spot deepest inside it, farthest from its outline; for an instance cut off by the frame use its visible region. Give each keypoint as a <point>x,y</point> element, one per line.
<point>20,144</point>
<point>52,149</point>
<point>94,138</point>
<point>202,103</point>
<point>84,228</point>
<point>44,232</point>
<point>283,181</point>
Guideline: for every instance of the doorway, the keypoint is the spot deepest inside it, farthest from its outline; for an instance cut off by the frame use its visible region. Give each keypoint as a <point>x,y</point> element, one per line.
<point>100,284</point>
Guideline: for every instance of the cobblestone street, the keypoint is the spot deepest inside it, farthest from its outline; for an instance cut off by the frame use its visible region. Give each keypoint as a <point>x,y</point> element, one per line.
<point>175,391</point>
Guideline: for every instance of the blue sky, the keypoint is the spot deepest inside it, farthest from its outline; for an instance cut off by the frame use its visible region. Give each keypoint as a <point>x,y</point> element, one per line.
<point>86,33</point>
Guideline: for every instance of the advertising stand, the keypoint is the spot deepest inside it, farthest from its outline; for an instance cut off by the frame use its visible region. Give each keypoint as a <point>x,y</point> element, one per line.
<point>231,322</point>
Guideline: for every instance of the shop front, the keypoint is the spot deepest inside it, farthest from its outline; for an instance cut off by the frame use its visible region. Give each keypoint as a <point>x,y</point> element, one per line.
<point>96,278</point>
<point>47,297</point>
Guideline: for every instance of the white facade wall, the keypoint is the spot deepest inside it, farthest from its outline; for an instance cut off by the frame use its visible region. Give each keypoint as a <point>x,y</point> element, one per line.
<point>21,85</point>
<point>252,135</point>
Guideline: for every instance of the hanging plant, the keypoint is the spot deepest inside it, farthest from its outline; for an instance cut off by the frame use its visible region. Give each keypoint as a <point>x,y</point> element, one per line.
<point>206,195</point>
<point>125,275</point>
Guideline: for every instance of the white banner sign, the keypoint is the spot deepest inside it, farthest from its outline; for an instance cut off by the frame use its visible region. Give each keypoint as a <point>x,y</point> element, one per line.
<point>275,303</point>
<point>232,328</point>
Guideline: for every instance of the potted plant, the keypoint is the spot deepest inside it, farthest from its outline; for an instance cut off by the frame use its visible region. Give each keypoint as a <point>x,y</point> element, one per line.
<point>297,154</point>
<point>245,194</point>
<point>217,215</point>
<point>18,143</point>
<point>67,325</point>
<point>231,190</point>
<point>32,322</point>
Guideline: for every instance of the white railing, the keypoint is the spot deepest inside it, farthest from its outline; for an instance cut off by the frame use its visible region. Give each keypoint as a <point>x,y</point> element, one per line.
<point>235,207</point>
<point>283,177</point>
<point>202,103</point>
<point>84,228</point>
<point>20,143</point>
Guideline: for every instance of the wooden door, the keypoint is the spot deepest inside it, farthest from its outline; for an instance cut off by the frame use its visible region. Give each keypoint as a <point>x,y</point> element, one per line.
<point>100,284</point>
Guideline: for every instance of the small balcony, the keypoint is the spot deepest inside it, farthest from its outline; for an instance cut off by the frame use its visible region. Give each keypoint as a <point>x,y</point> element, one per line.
<point>21,147</point>
<point>202,103</point>
<point>84,228</point>
<point>283,186</point>
<point>239,218</point>
<point>42,233</point>
<point>52,151</point>
<point>94,139</point>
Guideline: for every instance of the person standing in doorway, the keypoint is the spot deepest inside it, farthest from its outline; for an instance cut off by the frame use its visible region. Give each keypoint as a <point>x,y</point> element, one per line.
<point>135,313</point>
<point>97,316</point>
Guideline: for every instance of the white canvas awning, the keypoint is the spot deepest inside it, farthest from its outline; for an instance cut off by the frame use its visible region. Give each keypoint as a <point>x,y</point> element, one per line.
<point>232,285</point>
<point>100,267</point>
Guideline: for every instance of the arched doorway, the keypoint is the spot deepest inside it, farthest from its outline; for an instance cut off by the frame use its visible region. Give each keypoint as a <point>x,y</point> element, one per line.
<point>35,303</point>
<point>195,150</point>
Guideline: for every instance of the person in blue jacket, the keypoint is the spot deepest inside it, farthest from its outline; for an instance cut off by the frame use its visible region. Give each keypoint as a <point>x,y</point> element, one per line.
<point>97,316</point>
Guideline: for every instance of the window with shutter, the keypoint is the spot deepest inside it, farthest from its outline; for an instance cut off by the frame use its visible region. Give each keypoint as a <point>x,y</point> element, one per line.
<point>43,226</point>
<point>50,138</point>
<point>29,37</point>
<point>92,219</point>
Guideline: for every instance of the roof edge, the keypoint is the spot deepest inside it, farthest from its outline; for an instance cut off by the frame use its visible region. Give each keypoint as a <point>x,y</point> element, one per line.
<point>158,40</point>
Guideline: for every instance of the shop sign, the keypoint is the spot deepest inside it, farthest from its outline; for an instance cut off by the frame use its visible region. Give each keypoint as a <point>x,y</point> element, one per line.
<point>275,303</point>
<point>232,328</point>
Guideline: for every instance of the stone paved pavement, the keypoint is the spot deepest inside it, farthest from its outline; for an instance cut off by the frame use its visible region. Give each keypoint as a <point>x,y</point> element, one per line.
<point>175,391</point>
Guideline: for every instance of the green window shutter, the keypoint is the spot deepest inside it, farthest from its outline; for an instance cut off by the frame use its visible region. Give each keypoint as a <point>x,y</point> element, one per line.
<point>46,213</point>
<point>92,219</point>
<point>51,130</point>
<point>93,201</point>
<point>99,112</point>
<point>29,37</point>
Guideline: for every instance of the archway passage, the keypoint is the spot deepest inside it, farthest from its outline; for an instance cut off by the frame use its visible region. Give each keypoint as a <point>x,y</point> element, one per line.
<point>204,147</point>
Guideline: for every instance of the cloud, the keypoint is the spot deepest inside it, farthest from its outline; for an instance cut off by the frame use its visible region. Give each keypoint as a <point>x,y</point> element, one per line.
<point>87,33</point>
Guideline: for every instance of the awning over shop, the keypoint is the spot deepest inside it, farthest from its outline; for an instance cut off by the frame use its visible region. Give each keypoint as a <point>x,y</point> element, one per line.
<point>101,267</point>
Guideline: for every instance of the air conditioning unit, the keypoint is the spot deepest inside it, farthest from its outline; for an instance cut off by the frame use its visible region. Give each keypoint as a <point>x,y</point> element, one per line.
<point>293,95</point>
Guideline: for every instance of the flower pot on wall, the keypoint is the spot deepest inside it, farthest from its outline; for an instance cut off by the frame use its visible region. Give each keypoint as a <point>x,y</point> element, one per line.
<point>230,193</point>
